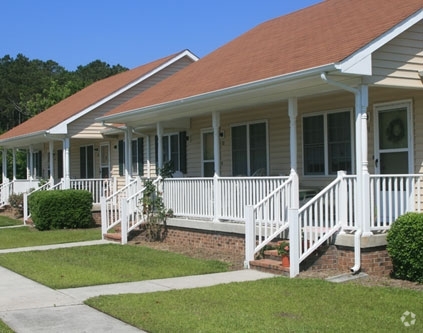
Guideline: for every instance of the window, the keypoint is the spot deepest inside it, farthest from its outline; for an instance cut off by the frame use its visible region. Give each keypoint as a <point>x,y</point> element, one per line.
<point>37,164</point>
<point>174,148</point>
<point>208,154</point>
<point>60,163</point>
<point>327,143</point>
<point>249,149</point>
<point>86,160</point>
<point>137,154</point>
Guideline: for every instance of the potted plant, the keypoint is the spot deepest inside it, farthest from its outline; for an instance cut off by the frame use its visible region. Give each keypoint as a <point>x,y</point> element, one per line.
<point>283,250</point>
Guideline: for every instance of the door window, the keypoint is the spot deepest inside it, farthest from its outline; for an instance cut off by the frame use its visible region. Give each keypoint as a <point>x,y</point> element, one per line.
<point>392,151</point>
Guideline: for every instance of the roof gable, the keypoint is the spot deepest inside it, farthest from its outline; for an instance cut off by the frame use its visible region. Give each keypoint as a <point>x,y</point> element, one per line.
<point>327,33</point>
<point>85,100</point>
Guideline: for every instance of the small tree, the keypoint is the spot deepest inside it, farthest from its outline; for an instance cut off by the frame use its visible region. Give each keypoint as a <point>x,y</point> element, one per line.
<point>154,208</point>
<point>155,212</point>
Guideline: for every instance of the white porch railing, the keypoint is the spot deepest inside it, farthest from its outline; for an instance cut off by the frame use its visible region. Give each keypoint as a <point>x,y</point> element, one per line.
<point>325,214</point>
<point>6,189</point>
<point>100,187</point>
<point>190,197</point>
<point>218,198</point>
<point>392,196</point>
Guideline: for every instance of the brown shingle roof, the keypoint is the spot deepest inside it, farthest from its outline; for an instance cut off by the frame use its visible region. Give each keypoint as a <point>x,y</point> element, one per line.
<point>322,34</point>
<point>82,100</point>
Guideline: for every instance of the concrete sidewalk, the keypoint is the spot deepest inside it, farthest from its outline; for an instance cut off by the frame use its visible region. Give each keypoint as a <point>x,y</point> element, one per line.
<point>27,306</point>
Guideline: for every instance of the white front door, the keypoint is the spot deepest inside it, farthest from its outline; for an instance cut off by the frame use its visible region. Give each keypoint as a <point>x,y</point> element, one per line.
<point>393,156</point>
<point>393,139</point>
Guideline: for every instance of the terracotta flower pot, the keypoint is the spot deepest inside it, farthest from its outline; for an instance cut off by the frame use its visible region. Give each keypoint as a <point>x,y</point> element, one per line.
<point>285,261</point>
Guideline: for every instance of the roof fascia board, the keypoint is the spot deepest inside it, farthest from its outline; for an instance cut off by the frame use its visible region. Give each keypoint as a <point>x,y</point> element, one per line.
<point>62,127</point>
<point>360,62</point>
<point>261,84</point>
<point>7,142</point>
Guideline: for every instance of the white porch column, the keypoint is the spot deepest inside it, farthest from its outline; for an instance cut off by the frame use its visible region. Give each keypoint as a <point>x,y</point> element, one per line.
<point>362,101</point>
<point>160,146</point>
<point>4,166</point>
<point>216,141</point>
<point>293,113</point>
<point>128,154</point>
<point>31,162</point>
<point>294,228</point>
<point>51,162</point>
<point>14,163</point>
<point>66,163</point>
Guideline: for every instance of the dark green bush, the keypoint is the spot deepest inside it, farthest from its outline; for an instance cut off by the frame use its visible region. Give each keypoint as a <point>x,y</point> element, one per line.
<point>67,209</point>
<point>405,247</point>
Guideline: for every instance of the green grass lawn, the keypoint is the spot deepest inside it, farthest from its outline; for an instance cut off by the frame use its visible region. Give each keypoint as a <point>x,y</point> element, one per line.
<point>271,305</point>
<point>104,264</point>
<point>6,221</point>
<point>28,236</point>
<point>4,328</point>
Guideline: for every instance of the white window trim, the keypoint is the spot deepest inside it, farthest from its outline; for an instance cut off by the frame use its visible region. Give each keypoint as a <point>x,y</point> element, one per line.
<point>169,152</point>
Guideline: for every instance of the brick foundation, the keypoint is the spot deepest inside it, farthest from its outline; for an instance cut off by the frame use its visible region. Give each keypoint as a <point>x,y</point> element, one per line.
<point>374,260</point>
<point>225,242</point>
<point>96,217</point>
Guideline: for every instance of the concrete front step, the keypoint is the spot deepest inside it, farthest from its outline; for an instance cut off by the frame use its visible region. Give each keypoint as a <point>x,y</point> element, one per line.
<point>117,236</point>
<point>269,266</point>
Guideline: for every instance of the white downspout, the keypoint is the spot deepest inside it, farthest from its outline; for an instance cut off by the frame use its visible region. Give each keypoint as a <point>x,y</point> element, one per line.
<point>357,251</point>
<point>361,165</point>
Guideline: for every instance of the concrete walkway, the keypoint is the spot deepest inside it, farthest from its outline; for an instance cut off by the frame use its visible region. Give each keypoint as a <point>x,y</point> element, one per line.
<point>27,306</point>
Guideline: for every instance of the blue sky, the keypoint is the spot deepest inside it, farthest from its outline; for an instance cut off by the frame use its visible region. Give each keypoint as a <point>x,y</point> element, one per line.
<point>128,32</point>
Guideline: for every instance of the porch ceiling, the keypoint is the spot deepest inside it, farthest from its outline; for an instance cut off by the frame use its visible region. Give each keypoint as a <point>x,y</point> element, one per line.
<point>233,99</point>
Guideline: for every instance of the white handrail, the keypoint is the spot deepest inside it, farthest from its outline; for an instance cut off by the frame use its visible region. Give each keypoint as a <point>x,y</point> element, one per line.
<point>132,211</point>
<point>267,219</point>
<point>111,207</point>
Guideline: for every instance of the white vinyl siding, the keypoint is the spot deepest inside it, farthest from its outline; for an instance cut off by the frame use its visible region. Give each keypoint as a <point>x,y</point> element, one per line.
<point>398,62</point>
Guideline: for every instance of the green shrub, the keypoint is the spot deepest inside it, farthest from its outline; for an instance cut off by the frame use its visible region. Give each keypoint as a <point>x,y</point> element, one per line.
<point>67,209</point>
<point>405,247</point>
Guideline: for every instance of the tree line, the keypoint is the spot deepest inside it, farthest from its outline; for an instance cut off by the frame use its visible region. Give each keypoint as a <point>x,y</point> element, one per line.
<point>28,87</point>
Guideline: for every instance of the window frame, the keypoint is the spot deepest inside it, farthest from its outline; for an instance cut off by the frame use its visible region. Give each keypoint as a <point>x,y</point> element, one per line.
<point>248,124</point>
<point>139,161</point>
<point>182,150</point>
<point>86,160</point>
<point>325,115</point>
<point>37,164</point>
